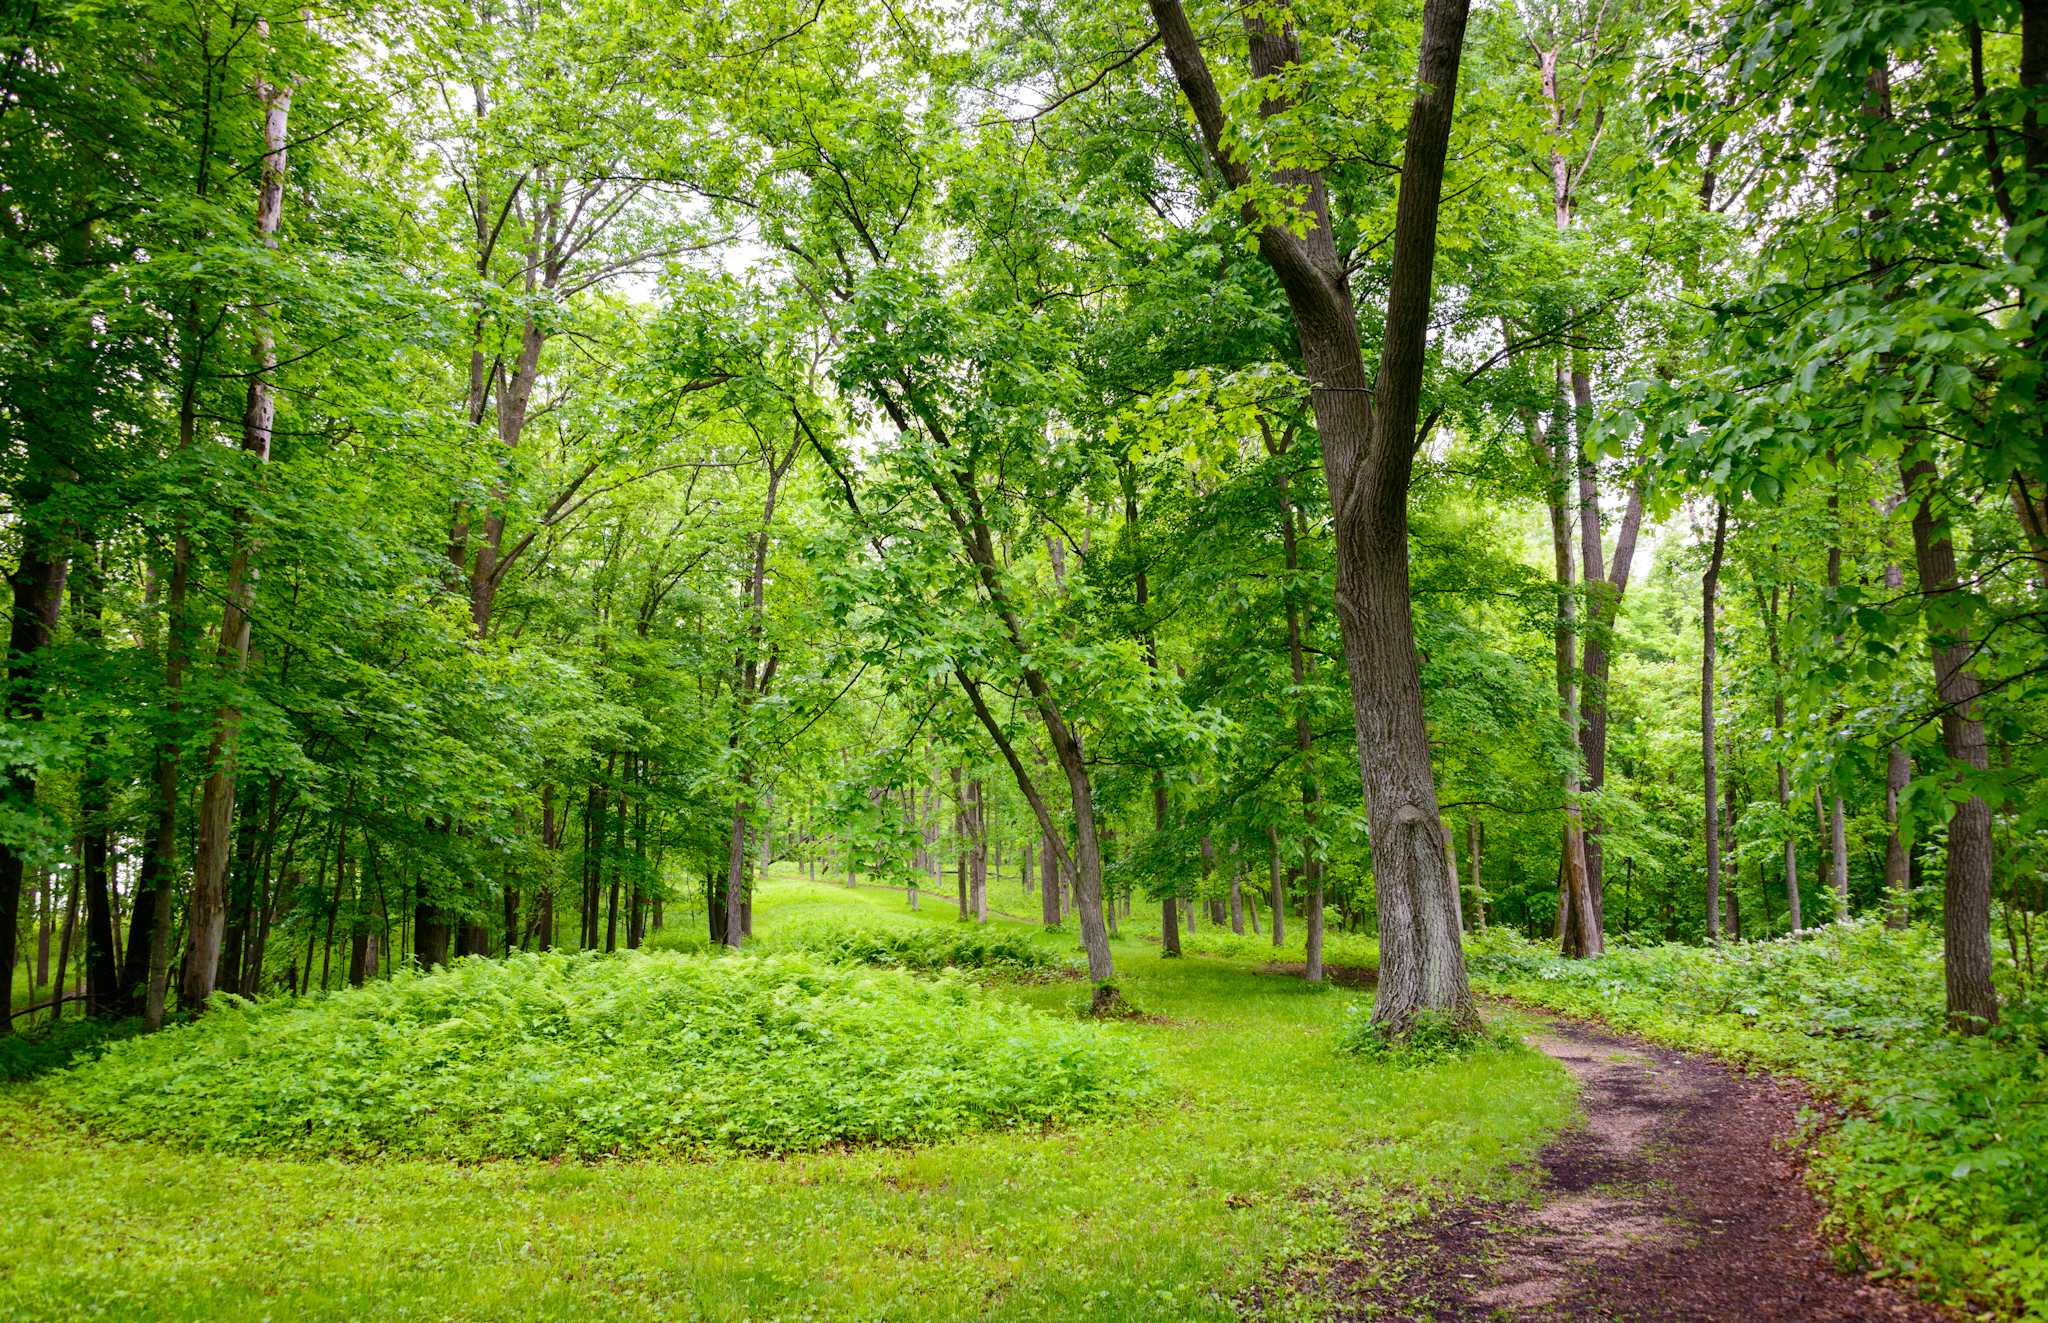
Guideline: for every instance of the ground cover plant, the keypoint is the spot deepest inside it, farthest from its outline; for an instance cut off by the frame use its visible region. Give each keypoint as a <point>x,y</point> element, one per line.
<point>1939,1161</point>
<point>962,946</point>
<point>588,1056</point>
<point>1262,1135</point>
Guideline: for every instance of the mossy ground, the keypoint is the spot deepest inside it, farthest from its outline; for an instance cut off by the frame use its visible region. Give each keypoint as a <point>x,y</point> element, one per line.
<point>1178,1212</point>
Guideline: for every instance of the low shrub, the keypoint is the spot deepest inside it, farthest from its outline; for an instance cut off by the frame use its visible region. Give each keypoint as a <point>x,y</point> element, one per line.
<point>689,938</point>
<point>923,947</point>
<point>589,1056</point>
<point>36,1049</point>
<point>1433,1037</point>
<point>1940,1166</point>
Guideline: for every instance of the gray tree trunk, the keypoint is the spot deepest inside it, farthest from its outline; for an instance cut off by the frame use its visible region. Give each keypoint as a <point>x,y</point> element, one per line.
<point>1367,429</point>
<point>1966,895</point>
<point>1709,582</point>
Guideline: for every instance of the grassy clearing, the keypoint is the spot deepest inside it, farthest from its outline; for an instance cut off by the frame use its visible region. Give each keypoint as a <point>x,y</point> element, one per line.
<point>1940,1169</point>
<point>1164,1214</point>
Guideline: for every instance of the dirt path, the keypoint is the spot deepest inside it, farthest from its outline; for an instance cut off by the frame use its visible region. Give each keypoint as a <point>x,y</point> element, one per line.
<point>1672,1201</point>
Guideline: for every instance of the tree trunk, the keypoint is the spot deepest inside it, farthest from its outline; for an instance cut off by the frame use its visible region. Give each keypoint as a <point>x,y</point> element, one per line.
<point>733,932</point>
<point>1578,916</point>
<point>1770,615</point>
<point>1367,432</point>
<point>365,928</point>
<point>208,910</point>
<point>1966,895</point>
<point>753,679</point>
<point>58,990</point>
<point>95,829</point>
<point>611,913</point>
<point>960,838</point>
<point>1709,582</point>
<point>1898,873</point>
<point>1049,883</point>
<point>979,882</point>
<point>1898,773</point>
<point>1478,888</point>
<point>1304,740</point>
<point>1277,885</point>
<point>44,898</point>
<point>38,596</point>
<point>959,493</point>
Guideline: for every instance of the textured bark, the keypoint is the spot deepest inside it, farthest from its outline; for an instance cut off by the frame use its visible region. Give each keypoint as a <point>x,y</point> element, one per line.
<point>1366,427</point>
<point>1898,870</point>
<point>2030,506</point>
<point>611,912</point>
<point>1833,827</point>
<point>960,839</point>
<point>95,827</point>
<point>1966,895</point>
<point>1709,585</point>
<point>102,985</point>
<point>1838,859</point>
<point>733,930</point>
<point>58,991</point>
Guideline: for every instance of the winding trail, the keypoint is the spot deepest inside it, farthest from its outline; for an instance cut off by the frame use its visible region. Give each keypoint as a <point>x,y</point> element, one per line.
<point>1673,1201</point>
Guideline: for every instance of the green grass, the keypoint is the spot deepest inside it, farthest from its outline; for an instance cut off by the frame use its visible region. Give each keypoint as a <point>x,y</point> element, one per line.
<point>1167,1213</point>
<point>1940,1168</point>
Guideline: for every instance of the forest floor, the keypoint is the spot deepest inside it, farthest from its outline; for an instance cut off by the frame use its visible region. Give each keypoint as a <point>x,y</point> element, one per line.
<point>1276,1178</point>
<point>1261,1141</point>
<point>1676,1198</point>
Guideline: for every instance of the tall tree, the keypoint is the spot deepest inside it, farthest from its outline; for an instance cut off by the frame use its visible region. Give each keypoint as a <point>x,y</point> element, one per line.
<point>1367,432</point>
<point>206,915</point>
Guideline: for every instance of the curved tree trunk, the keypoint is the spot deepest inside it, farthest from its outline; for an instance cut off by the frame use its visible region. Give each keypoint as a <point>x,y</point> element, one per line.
<point>1366,427</point>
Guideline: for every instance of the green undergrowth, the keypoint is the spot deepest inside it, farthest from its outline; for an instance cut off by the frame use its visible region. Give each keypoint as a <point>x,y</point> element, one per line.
<point>1939,1167</point>
<point>1340,949</point>
<point>1432,1037</point>
<point>47,1046</point>
<point>589,1056</point>
<point>925,947</point>
<point>1237,1172</point>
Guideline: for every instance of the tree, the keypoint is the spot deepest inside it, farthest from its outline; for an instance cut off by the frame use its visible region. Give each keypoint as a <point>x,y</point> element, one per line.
<point>1366,430</point>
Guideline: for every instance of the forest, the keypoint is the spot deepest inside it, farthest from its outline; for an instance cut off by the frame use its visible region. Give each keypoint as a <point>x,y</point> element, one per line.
<point>938,659</point>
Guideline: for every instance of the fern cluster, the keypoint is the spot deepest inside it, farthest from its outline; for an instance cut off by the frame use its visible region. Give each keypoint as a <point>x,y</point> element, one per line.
<point>587,1056</point>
